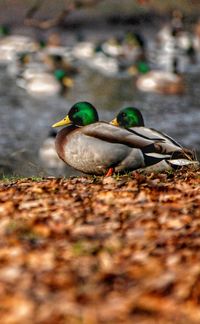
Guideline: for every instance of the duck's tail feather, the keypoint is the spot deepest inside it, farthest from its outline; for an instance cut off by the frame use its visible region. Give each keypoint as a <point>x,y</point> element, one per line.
<point>184,154</point>
<point>177,159</point>
<point>169,165</point>
<point>153,158</point>
<point>182,162</point>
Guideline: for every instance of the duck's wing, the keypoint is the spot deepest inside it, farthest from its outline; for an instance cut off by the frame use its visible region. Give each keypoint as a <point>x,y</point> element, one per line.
<point>167,145</point>
<point>152,133</point>
<point>112,134</point>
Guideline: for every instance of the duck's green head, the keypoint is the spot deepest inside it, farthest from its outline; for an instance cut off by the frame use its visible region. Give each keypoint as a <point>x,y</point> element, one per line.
<point>4,30</point>
<point>128,117</point>
<point>42,43</point>
<point>143,67</point>
<point>63,78</point>
<point>131,39</point>
<point>81,114</point>
<point>59,74</point>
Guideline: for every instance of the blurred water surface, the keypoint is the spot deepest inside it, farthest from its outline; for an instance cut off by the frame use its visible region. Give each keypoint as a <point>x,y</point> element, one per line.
<point>26,121</point>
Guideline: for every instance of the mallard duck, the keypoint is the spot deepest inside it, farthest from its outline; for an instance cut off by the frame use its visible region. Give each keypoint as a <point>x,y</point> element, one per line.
<point>174,41</point>
<point>140,67</point>
<point>161,82</point>
<point>64,77</point>
<point>117,57</point>
<point>133,47</point>
<point>95,58</point>
<point>4,30</point>
<point>126,50</point>
<point>95,147</point>
<point>13,44</point>
<point>131,119</point>
<point>58,58</point>
<point>41,84</point>
<point>21,62</point>
<point>197,36</point>
<point>83,50</point>
<point>38,81</point>
<point>102,63</point>
<point>112,47</point>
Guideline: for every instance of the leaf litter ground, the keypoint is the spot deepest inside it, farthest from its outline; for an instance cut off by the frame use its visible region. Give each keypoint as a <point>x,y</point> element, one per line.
<point>101,250</point>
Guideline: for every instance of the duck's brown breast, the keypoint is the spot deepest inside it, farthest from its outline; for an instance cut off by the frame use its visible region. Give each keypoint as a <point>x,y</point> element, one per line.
<point>62,139</point>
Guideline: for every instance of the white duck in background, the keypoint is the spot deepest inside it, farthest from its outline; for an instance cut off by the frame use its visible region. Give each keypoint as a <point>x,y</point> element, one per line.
<point>174,43</point>
<point>41,84</point>
<point>83,51</point>
<point>38,81</point>
<point>11,45</point>
<point>112,47</point>
<point>86,53</point>
<point>23,61</point>
<point>161,82</point>
<point>48,154</point>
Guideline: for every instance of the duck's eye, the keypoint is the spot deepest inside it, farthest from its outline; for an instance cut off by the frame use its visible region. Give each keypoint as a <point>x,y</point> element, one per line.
<point>123,114</point>
<point>76,110</point>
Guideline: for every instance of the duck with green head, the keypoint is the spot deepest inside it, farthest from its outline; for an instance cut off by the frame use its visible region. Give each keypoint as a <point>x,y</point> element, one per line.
<point>4,30</point>
<point>161,82</point>
<point>95,147</point>
<point>131,119</point>
<point>64,79</point>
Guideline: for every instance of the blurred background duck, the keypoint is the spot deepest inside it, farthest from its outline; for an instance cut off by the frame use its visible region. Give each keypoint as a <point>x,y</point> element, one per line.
<point>130,46</point>
<point>93,56</point>
<point>104,64</point>
<point>126,54</point>
<point>111,57</point>
<point>162,82</point>
<point>112,47</point>
<point>174,41</point>
<point>139,68</point>
<point>83,50</point>
<point>65,77</point>
<point>43,72</point>
<point>24,61</point>
<point>134,47</point>
<point>46,53</point>
<point>4,31</point>
<point>10,45</point>
<point>43,83</point>
<point>40,84</point>
<point>197,40</point>
<point>55,60</point>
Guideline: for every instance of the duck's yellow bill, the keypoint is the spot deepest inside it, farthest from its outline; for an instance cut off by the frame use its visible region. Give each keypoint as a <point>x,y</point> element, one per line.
<point>114,122</point>
<point>68,82</point>
<point>63,122</point>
